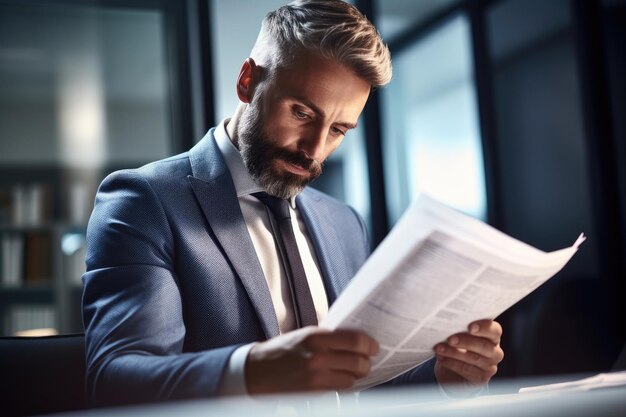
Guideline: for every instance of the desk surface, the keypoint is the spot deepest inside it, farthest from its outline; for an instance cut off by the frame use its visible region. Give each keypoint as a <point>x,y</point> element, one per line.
<point>391,403</point>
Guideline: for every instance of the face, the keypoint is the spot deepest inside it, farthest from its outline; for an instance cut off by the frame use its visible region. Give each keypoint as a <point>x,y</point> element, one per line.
<point>295,121</point>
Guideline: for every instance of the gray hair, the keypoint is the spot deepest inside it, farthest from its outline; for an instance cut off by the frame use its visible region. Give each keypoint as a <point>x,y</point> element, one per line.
<point>334,29</point>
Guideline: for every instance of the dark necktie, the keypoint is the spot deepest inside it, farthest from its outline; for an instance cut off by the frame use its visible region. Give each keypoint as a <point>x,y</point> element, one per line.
<point>290,256</point>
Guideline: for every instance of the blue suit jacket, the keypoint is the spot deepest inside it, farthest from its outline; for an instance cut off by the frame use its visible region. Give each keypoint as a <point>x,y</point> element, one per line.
<point>173,284</point>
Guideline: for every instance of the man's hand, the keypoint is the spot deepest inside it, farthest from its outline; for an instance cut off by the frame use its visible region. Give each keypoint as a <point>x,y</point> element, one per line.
<point>309,359</point>
<point>470,358</point>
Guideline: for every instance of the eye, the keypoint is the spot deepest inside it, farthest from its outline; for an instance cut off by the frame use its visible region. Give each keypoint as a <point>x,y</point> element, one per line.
<point>301,115</point>
<point>337,132</point>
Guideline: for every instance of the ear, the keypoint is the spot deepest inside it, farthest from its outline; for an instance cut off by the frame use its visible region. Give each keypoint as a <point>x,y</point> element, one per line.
<point>248,78</point>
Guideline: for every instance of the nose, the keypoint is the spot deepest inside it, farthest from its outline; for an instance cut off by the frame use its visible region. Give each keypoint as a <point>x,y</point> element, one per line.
<point>313,143</point>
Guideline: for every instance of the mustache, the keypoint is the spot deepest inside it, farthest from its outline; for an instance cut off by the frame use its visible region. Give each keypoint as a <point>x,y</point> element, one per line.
<point>298,158</point>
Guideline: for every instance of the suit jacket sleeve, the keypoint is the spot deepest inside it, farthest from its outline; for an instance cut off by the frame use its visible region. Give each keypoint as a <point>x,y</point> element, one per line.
<point>132,307</point>
<point>423,374</point>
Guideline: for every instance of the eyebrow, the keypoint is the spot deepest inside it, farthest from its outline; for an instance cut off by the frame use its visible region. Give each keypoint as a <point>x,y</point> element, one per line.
<point>321,112</point>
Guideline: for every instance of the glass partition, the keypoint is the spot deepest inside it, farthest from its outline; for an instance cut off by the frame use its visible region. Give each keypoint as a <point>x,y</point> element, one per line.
<point>431,135</point>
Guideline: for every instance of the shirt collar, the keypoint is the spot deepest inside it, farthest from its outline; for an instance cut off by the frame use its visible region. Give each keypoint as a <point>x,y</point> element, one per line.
<point>244,184</point>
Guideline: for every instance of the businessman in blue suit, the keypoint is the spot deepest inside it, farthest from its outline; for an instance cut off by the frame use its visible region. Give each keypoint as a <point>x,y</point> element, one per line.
<point>190,289</point>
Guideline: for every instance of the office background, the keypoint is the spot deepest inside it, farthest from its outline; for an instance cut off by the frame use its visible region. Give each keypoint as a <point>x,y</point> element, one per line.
<point>513,111</point>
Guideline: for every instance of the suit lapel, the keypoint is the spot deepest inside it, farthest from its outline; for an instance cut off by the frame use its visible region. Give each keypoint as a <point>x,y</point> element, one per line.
<point>322,234</point>
<point>214,189</point>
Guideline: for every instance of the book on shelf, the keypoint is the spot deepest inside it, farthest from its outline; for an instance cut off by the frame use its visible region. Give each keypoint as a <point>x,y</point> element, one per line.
<point>37,258</point>
<point>25,205</point>
<point>12,259</point>
<point>25,259</point>
<point>6,206</point>
<point>80,203</point>
<point>27,317</point>
<point>31,205</point>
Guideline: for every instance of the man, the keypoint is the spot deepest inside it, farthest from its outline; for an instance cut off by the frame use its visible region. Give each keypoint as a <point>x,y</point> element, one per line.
<point>191,292</point>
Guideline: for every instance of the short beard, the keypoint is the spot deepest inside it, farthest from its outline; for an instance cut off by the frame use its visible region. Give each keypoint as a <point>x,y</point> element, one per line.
<point>260,155</point>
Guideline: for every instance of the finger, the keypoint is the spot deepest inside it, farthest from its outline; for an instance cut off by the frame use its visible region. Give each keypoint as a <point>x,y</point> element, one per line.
<point>473,358</point>
<point>354,364</point>
<point>490,329</point>
<point>483,346</point>
<point>468,371</point>
<point>342,340</point>
<point>330,380</point>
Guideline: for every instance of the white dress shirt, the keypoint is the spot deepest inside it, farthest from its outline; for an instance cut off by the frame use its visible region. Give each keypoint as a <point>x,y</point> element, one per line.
<point>260,230</point>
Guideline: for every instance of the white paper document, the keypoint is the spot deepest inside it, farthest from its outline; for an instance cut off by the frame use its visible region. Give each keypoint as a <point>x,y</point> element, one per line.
<point>437,271</point>
<point>606,380</point>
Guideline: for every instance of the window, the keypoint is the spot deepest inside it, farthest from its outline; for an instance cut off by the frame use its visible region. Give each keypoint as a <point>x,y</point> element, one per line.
<point>431,135</point>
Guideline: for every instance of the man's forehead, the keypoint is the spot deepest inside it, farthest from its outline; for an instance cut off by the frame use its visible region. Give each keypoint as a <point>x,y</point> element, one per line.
<point>315,66</point>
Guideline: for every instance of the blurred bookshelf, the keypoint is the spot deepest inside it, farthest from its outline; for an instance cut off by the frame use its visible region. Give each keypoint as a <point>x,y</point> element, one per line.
<point>96,89</point>
<point>43,218</point>
<point>44,211</point>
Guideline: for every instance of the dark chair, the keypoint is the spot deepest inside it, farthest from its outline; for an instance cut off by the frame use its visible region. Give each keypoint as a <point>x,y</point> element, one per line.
<point>572,330</point>
<point>41,375</point>
<point>620,363</point>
